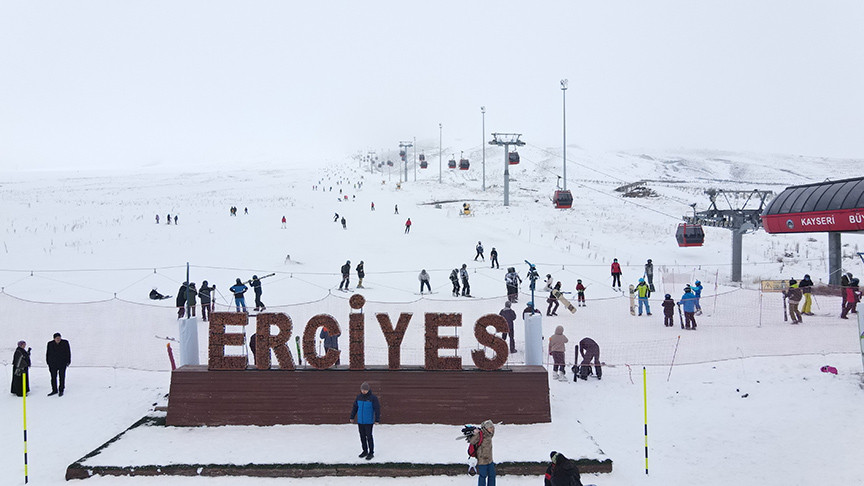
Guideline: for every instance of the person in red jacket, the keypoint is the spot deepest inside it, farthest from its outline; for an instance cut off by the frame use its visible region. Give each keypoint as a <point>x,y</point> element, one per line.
<point>408,226</point>
<point>616,273</point>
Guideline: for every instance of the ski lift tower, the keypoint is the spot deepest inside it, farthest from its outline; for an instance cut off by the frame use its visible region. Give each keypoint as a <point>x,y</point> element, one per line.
<point>738,218</point>
<point>506,140</point>
<point>403,152</point>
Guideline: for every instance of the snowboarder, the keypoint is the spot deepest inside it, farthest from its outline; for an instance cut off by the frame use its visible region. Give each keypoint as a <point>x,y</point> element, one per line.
<point>424,280</point>
<point>512,280</point>
<point>238,289</point>
<point>510,316</point>
<point>361,272</point>
<point>20,366</point>
<point>553,300</point>
<point>454,279</point>
<point>590,352</point>
<point>481,439</point>
<point>688,302</point>
<point>580,293</point>
<point>180,302</point>
<point>805,285</point>
<point>256,287</point>
<point>206,300</point>
<point>697,291</point>
<point>155,295</point>
<point>649,274</point>
<point>331,341</point>
<point>366,412</point>
<point>493,255</point>
<point>557,343</point>
<point>479,254</point>
<point>668,311</point>
<point>408,226</point>
<point>616,273</point>
<point>549,282</point>
<point>643,292</point>
<point>346,275</point>
<point>335,217</point>
<point>463,274</point>
<point>58,356</point>
<point>343,223</point>
<point>562,471</point>
<point>284,221</point>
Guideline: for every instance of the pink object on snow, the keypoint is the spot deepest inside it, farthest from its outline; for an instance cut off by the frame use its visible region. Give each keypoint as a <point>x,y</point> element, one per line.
<point>829,369</point>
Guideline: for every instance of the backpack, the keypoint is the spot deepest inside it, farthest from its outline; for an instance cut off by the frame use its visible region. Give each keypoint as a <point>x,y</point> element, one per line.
<point>472,449</point>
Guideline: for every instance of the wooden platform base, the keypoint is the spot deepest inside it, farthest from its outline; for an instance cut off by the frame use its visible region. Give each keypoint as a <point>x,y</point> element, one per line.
<point>518,395</point>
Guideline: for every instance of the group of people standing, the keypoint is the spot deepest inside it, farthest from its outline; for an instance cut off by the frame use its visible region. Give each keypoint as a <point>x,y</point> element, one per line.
<point>58,356</point>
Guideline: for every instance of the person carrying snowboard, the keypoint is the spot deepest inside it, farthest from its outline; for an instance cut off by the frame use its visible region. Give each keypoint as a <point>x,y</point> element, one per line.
<point>463,274</point>
<point>493,255</point>
<point>643,292</point>
<point>346,275</point>
<point>668,311</point>
<point>238,289</point>
<point>361,272</point>
<point>481,439</point>
<point>688,303</point>
<point>479,254</point>
<point>580,293</point>
<point>616,273</point>
<point>424,280</point>
<point>454,279</point>
<point>552,300</point>
<point>256,287</point>
<point>510,316</point>
<point>512,281</point>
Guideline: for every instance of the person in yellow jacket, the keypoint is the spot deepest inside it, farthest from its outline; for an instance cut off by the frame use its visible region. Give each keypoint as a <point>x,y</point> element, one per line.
<point>643,291</point>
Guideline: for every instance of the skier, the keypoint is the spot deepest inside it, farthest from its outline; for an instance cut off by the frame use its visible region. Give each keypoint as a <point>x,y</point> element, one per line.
<point>408,226</point>
<point>688,302</point>
<point>335,217</point>
<point>284,221</point>
<point>343,223</point>
<point>479,254</point>
<point>373,205</point>
<point>552,300</point>
<point>512,280</point>
<point>643,292</point>
<point>616,273</point>
<point>367,412</point>
<point>549,282</point>
<point>238,289</point>
<point>169,218</point>
<point>424,280</point>
<point>697,291</point>
<point>580,293</point>
<point>180,301</point>
<point>493,255</point>
<point>793,295</point>
<point>805,285</point>
<point>157,219</point>
<point>463,274</point>
<point>346,274</point>
<point>557,343</point>
<point>206,300</point>
<point>256,287</point>
<point>481,438</point>
<point>649,274</point>
<point>361,272</point>
<point>175,219</point>
<point>395,209</point>
<point>590,352</point>
<point>851,295</point>
<point>509,316</point>
<point>562,471</point>
<point>454,279</point>
<point>668,311</point>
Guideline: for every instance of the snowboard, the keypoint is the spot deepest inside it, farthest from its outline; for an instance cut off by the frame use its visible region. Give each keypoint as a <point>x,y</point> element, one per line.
<point>299,356</point>
<point>632,290</point>
<point>558,295</point>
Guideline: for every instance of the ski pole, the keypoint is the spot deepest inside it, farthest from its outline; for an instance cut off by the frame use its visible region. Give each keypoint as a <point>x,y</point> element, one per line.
<point>645,407</point>
<point>24,401</point>
<point>673,359</point>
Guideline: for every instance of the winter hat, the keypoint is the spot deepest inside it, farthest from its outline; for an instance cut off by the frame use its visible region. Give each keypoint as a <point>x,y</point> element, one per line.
<point>464,265</point>
<point>559,330</point>
<point>792,281</point>
<point>364,386</point>
<point>578,280</point>
<point>688,289</point>
<point>649,260</point>
<point>530,304</point>
<point>254,277</point>
<point>238,281</point>
<point>807,276</point>
<point>552,455</point>
<point>614,259</point>
<point>487,425</point>
<point>667,296</point>
<point>21,343</point>
<point>507,304</point>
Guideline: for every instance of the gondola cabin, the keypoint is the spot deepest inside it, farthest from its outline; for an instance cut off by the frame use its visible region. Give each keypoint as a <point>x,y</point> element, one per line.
<point>690,235</point>
<point>562,199</point>
<point>451,164</point>
<point>463,164</point>
<point>424,164</point>
<point>390,163</point>
<point>513,158</point>
<point>402,154</point>
<point>422,157</point>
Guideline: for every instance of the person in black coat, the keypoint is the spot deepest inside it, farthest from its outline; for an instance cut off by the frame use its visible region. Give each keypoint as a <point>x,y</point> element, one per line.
<point>562,471</point>
<point>20,365</point>
<point>181,300</point>
<point>346,275</point>
<point>58,356</point>
<point>256,287</point>
<point>206,299</point>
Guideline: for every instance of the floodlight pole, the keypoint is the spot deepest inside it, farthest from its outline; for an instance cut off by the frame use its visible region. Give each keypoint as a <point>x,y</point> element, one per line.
<point>414,155</point>
<point>440,132</point>
<point>483,144</point>
<point>564,111</point>
<point>506,140</point>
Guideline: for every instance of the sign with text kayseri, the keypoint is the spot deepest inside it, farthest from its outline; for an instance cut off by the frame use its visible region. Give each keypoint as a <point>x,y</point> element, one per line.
<point>837,220</point>
<point>279,343</point>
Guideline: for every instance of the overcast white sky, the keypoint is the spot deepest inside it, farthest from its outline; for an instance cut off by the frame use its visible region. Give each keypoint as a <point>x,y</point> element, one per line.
<point>185,83</point>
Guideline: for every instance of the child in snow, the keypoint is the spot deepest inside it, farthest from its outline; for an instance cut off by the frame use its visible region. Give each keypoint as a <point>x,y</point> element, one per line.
<point>557,345</point>
<point>668,311</point>
<point>697,291</point>
<point>580,293</point>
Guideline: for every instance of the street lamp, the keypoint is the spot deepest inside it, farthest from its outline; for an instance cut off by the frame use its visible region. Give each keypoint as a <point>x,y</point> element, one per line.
<point>483,144</point>
<point>564,110</point>
<point>440,134</point>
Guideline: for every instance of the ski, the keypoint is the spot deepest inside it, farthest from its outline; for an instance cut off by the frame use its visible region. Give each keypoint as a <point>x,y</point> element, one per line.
<point>632,290</point>
<point>680,315</point>
<point>299,356</point>
<point>166,338</point>
<point>785,314</point>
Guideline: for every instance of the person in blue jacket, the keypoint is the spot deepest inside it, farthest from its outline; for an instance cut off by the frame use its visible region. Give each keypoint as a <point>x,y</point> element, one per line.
<point>689,301</point>
<point>238,289</point>
<point>366,412</point>
<point>697,291</point>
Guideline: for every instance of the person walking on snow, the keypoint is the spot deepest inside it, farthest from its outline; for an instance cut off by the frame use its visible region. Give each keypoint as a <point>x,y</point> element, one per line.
<point>851,296</point>
<point>806,287</point>
<point>552,300</point>
<point>424,280</point>
<point>481,439</point>
<point>58,356</point>
<point>157,219</point>
<point>463,274</point>
<point>493,255</point>
<point>557,345</point>
<point>688,303</point>
<point>580,293</point>
<point>366,412</point>
<point>343,223</point>
<point>668,311</point>
<point>346,275</point>
<point>454,279</point>
<point>649,274</point>
<point>361,272</point>
<point>512,280</point>
<point>697,291</point>
<point>510,316</point>
<point>479,254</point>
<point>238,289</point>
<point>408,226</point>
<point>643,292</point>
<point>395,209</point>
<point>793,294</point>
<point>256,287</point>
<point>616,273</point>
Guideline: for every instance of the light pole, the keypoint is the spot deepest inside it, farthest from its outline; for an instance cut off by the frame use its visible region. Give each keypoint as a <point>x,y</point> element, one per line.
<point>440,135</point>
<point>414,156</point>
<point>564,110</point>
<point>483,144</point>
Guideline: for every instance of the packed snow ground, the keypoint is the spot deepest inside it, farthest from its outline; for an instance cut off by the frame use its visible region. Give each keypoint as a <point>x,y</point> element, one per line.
<point>91,237</point>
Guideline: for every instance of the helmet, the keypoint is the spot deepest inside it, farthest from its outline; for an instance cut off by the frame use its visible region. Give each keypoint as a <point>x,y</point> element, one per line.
<point>792,281</point>
<point>667,296</point>
<point>641,280</point>
<point>530,303</point>
<point>254,276</point>
<point>649,260</point>
<point>614,259</point>
<point>807,276</point>
<point>548,275</point>
<point>698,283</point>
<point>687,289</point>
<point>578,280</point>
